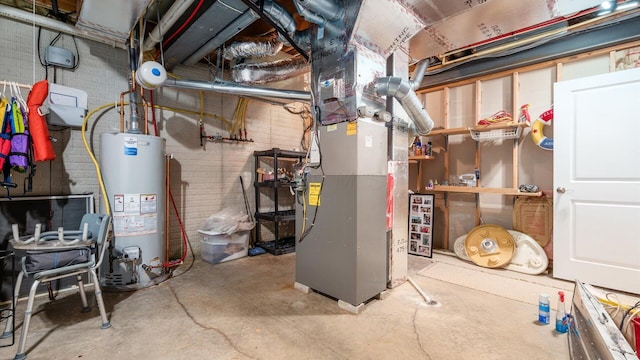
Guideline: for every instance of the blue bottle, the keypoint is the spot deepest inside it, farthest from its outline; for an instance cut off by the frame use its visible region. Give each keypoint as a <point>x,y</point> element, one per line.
<point>543,309</point>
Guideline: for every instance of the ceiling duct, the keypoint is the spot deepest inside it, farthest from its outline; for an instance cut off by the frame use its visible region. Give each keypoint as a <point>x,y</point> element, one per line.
<point>262,73</point>
<point>112,19</point>
<point>217,21</point>
<point>257,48</point>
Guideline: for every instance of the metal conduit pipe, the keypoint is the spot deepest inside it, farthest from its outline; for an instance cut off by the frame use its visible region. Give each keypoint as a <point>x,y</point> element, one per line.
<point>170,17</point>
<point>403,91</point>
<point>236,89</point>
<point>328,9</point>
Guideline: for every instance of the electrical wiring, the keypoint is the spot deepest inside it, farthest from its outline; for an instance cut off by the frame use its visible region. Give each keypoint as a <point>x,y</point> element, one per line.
<point>627,312</point>
<point>184,24</point>
<point>92,156</point>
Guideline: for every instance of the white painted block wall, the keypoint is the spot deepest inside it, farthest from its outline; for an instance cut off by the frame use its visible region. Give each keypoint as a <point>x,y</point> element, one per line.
<point>203,180</point>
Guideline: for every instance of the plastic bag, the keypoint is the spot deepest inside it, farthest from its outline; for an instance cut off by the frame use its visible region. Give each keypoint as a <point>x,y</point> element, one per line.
<point>227,221</point>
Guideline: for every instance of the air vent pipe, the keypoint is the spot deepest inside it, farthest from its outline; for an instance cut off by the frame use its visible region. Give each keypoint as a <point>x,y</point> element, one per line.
<point>328,9</point>
<point>316,18</point>
<point>279,15</point>
<point>262,73</point>
<point>261,47</point>
<point>236,89</point>
<point>403,91</point>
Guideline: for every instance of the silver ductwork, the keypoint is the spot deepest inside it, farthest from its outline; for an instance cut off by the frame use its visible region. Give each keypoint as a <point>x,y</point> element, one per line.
<point>318,19</point>
<point>278,70</point>
<point>280,16</point>
<point>262,47</point>
<point>402,90</point>
<point>225,87</point>
<point>330,10</point>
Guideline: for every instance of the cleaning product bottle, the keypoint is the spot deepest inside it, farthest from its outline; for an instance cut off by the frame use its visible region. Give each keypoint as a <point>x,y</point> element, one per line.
<point>543,309</point>
<point>561,314</point>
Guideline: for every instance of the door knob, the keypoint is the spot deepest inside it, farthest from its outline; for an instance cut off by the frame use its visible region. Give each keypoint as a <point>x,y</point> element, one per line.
<point>561,190</point>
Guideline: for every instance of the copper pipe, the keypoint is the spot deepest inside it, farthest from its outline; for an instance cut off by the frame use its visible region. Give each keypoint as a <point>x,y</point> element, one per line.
<point>166,211</point>
<point>122,110</point>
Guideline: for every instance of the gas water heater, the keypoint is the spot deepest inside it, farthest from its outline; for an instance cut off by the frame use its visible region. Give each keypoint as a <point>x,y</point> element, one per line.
<point>133,170</point>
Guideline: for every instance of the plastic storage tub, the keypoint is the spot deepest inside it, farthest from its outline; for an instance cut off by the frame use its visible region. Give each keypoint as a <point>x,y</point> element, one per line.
<point>216,248</point>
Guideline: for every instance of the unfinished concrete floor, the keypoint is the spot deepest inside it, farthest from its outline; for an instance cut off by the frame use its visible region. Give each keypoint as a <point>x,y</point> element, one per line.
<point>248,309</point>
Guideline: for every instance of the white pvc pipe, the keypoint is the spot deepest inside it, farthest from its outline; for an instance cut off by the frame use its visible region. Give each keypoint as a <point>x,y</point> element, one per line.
<point>55,25</point>
<point>168,19</point>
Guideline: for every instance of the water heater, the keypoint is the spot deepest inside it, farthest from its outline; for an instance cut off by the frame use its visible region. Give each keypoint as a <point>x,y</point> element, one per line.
<point>133,170</point>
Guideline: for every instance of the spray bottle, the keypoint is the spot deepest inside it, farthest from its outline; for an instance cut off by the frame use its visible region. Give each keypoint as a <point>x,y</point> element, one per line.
<point>561,314</point>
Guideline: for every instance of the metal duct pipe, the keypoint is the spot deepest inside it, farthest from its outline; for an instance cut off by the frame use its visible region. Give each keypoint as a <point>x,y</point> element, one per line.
<point>170,17</point>
<point>261,73</point>
<point>236,89</point>
<point>303,38</point>
<point>48,23</point>
<point>230,31</point>
<point>279,15</point>
<point>419,73</point>
<point>328,9</point>
<point>315,18</point>
<point>402,90</point>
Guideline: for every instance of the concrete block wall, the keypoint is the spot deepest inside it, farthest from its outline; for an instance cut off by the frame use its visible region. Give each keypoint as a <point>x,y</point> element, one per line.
<point>204,180</point>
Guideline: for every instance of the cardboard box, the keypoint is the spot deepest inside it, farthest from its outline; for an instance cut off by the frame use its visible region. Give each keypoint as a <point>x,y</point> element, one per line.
<point>216,248</point>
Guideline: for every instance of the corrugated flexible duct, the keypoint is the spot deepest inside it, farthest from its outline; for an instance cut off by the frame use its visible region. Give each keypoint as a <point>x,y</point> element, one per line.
<point>404,91</point>
<point>261,73</point>
<point>265,46</point>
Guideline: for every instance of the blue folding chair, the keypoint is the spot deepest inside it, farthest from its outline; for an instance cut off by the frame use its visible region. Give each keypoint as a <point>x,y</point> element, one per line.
<point>59,254</point>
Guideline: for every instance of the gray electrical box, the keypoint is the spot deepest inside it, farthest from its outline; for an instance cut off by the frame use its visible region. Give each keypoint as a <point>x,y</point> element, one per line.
<point>59,57</point>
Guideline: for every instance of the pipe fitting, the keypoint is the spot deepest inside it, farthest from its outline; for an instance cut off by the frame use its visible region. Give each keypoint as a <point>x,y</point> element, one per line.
<point>402,90</point>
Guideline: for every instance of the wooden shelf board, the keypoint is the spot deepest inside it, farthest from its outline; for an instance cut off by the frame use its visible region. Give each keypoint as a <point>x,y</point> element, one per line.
<point>421,157</point>
<point>483,190</point>
<point>465,130</point>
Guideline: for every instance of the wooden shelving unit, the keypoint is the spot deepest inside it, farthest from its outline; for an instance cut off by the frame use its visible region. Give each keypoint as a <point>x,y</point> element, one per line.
<point>418,159</point>
<point>507,131</point>
<point>479,128</point>
<point>483,190</point>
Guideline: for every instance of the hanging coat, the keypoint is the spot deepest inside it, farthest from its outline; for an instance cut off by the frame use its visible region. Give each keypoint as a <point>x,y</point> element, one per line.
<point>5,131</point>
<point>42,145</point>
<point>19,155</point>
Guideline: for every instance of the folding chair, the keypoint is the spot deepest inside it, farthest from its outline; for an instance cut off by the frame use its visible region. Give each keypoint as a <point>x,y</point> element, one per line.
<point>59,254</point>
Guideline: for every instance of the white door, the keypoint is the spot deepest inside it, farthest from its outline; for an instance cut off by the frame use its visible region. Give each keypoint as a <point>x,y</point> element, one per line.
<point>596,227</point>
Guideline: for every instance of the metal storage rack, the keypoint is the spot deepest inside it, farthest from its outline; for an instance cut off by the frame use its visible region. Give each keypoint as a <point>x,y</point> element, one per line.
<point>280,245</point>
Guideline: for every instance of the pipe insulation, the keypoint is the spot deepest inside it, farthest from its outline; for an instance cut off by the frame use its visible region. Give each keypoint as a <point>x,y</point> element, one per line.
<point>168,19</point>
<point>260,73</point>
<point>54,25</point>
<point>261,47</point>
<point>225,87</point>
<point>328,9</point>
<point>402,90</point>
<point>315,18</point>
<point>280,16</point>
